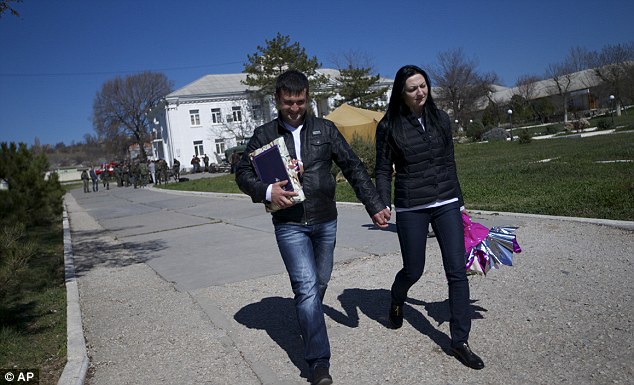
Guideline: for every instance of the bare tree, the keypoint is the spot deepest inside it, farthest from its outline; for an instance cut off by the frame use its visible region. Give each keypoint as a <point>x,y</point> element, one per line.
<point>460,87</point>
<point>562,76</point>
<point>240,125</point>
<point>120,109</point>
<point>526,88</point>
<point>579,59</point>
<point>614,65</point>
<point>5,7</point>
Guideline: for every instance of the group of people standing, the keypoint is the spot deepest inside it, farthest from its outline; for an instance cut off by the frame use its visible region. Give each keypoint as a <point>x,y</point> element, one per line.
<point>137,173</point>
<point>195,162</point>
<point>414,148</point>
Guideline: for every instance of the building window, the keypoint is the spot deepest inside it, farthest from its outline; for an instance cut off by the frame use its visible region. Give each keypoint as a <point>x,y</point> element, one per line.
<point>198,147</point>
<point>194,117</point>
<point>237,114</point>
<point>216,117</point>
<point>257,112</point>
<point>220,146</point>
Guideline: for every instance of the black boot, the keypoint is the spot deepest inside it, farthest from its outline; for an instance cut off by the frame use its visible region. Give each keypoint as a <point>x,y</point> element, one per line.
<point>396,315</point>
<point>467,357</point>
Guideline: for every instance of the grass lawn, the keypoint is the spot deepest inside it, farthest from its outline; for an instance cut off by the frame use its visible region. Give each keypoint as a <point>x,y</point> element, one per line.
<point>507,176</point>
<point>563,176</point>
<point>33,317</point>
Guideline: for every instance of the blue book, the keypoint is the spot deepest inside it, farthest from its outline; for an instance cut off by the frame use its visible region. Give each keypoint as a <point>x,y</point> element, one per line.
<point>271,168</point>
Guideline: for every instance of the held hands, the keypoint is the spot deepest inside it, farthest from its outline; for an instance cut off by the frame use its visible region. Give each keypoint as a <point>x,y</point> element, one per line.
<point>381,218</point>
<point>281,197</point>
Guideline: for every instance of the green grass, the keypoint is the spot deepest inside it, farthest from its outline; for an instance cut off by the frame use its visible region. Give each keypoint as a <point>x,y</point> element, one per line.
<point>33,317</point>
<point>222,184</point>
<point>507,176</point>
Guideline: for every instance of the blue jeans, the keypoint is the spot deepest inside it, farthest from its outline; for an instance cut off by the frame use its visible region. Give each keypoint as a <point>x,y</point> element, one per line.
<point>307,251</point>
<point>412,227</point>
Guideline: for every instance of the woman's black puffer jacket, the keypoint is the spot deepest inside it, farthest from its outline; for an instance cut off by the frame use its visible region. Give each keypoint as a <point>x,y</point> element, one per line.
<point>423,161</point>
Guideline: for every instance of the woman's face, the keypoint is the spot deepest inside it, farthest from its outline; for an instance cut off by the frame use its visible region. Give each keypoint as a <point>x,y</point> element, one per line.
<point>415,93</point>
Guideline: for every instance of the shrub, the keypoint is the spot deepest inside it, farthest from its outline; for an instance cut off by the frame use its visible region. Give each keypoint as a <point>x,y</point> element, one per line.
<point>605,124</point>
<point>580,124</point>
<point>524,137</point>
<point>475,130</point>
<point>14,256</point>
<point>495,134</point>
<point>365,150</point>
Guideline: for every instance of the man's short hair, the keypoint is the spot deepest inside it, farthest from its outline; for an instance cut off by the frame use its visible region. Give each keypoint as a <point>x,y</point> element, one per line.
<point>292,82</point>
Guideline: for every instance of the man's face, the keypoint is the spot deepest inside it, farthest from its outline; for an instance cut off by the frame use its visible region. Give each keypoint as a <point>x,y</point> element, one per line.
<point>292,107</point>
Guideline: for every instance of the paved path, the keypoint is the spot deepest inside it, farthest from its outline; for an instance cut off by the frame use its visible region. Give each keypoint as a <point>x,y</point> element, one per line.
<point>186,288</point>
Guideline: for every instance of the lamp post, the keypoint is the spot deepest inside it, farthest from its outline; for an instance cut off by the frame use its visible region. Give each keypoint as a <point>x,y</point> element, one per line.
<point>612,109</point>
<point>510,112</point>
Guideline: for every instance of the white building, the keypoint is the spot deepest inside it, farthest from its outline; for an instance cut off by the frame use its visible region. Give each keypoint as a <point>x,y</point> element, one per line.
<point>217,112</point>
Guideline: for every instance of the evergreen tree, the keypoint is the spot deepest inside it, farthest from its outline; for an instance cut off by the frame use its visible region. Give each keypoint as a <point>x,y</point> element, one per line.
<point>278,56</point>
<point>357,88</point>
<point>32,198</point>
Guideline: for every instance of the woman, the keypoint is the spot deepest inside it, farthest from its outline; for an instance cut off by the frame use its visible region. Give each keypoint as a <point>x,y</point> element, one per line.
<point>414,136</point>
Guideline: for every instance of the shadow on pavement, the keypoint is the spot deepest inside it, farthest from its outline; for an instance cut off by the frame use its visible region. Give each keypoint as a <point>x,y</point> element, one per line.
<point>91,251</point>
<point>276,316</point>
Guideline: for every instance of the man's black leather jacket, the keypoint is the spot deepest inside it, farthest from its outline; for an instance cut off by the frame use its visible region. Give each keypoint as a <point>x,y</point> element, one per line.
<point>321,143</point>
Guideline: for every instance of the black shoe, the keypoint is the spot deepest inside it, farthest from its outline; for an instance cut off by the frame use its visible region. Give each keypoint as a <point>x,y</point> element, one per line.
<point>321,376</point>
<point>467,357</point>
<point>396,316</point>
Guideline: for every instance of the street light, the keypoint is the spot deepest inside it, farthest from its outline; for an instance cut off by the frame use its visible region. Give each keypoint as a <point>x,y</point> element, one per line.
<point>510,112</point>
<point>612,109</point>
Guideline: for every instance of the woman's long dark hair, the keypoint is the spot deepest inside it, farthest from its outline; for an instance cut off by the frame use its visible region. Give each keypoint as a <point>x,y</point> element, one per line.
<point>397,108</point>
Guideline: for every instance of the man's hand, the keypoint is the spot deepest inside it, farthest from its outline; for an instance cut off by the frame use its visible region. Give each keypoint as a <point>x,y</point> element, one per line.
<point>281,197</point>
<point>381,218</point>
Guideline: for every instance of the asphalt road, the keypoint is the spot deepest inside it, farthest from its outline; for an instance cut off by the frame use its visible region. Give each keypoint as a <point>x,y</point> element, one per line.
<point>189,288</point>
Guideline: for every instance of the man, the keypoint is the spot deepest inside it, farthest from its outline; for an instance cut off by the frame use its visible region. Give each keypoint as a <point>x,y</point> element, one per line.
<point>95,179</point>
<point>85,180</point>
<point>306,232</point>
<point>176,169</point>
<point>152,168</point>
<point>206,161</point>
<point>235,159</point>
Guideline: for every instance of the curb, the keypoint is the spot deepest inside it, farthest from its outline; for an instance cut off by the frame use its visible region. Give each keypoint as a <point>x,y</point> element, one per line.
<point>76,356</point>
<point>625,225</point>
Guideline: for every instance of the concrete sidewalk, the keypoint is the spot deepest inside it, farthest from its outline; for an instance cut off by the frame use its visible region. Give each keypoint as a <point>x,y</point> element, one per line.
<point>189,288</point>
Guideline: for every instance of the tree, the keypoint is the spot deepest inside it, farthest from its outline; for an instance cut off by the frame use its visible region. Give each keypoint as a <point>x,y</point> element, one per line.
<point>614,65</point>
<point>121,108</point>
<point>562,76</point>
<point>357,86</point>
<point>5,7</point>
<point>241,127</point>
<point>458,85</point>
<point>526,87</point>
<point>31,198</point>
<point>278,56</point>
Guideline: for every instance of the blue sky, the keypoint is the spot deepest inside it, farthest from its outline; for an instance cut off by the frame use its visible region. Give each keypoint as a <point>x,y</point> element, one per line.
<point>56,56</point>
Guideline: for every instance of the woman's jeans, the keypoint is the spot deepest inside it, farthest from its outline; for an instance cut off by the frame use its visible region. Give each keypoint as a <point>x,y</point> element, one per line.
<point>307,251</point>
<point>446,221</point>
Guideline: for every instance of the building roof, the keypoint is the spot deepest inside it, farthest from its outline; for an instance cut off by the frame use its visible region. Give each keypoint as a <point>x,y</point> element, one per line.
<point>231,84</point>
<point>210,85</point>
<point>578,81</point>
